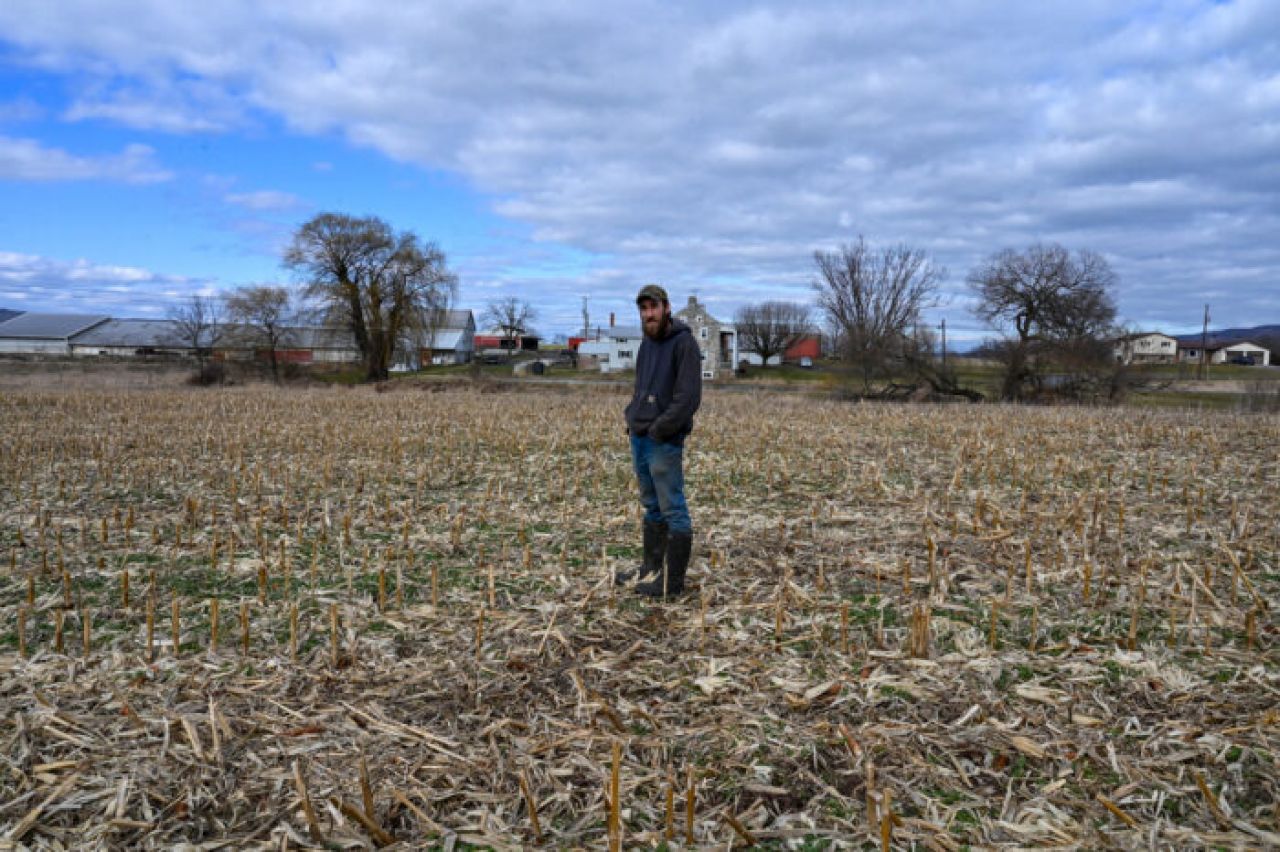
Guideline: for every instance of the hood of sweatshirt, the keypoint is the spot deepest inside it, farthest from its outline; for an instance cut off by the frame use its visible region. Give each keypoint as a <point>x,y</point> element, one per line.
<point>676,327</point>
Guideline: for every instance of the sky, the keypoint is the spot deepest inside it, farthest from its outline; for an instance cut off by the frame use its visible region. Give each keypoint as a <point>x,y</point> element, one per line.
<point>150,150</point>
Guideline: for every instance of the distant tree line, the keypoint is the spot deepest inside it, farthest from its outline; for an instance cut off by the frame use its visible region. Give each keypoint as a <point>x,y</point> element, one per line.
<point>1052,310</point>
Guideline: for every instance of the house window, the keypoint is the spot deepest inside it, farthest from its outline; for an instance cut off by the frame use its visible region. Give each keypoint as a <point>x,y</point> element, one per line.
<point>624,353</point>
<point>708,374</point>
<point>702,332</point>
<point>1165,344</point>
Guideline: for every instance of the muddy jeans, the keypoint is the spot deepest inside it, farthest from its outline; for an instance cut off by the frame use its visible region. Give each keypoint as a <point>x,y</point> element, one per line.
<point>659,469</point>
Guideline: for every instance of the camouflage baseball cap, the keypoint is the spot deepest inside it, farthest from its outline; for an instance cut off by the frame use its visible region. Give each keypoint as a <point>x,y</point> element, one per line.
<point>651,291</point>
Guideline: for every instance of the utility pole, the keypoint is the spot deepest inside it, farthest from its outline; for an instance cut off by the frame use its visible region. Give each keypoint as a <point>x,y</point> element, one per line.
<point>586,317</point>
<point>943,326</point>
<point>1202,373</point>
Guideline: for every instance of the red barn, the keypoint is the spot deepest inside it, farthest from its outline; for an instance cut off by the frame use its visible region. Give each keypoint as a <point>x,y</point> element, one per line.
<point>809,346</point>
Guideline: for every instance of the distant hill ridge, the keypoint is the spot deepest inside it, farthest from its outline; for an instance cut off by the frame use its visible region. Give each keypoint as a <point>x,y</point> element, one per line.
<point>1257,331</point>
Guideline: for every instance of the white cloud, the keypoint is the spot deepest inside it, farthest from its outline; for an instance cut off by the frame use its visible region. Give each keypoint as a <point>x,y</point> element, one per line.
<point>19,110</point>
<point>716,146</point>
<point>38,282</point>
<point>28,159</point>
<point>264,200</point>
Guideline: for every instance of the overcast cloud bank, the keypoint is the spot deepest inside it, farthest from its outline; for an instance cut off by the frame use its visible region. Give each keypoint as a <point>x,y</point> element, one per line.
<point>715,147</point>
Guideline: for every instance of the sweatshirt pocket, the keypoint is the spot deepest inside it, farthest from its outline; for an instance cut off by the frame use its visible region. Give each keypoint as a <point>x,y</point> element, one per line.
<point>645,409</point>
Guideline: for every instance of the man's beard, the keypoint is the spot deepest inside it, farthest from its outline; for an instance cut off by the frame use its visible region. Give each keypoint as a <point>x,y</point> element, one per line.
<point>659,329</point>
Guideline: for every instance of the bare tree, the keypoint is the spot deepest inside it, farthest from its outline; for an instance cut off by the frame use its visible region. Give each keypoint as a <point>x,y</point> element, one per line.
<point>262,315</point>
<point>382,285</point>
<point>872,299</point>
<point>510,316</point>
<point>198,325</point>
<point>770,328</point>
<point>1048,303</point>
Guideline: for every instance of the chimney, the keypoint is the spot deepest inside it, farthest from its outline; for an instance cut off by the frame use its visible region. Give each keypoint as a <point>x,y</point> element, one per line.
<point>610,319</point>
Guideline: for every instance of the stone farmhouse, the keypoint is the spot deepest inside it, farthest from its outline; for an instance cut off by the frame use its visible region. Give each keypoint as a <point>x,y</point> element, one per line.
<point>717,340</point>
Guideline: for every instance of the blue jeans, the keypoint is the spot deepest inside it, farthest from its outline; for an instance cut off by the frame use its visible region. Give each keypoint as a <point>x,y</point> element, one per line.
<point>659,469</point>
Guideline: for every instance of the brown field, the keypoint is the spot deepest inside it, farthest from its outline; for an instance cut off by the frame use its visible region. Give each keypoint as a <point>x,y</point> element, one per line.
<point>924,627</point>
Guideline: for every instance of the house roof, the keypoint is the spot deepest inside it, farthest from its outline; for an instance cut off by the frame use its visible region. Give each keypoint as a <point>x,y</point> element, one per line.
<point>6,314</point>
<point>447,338</point>
<point>1140,334</point>
<point>1211,345</point>
<point>41,325</point>
<point>132,332</point>
<point>617,332</point>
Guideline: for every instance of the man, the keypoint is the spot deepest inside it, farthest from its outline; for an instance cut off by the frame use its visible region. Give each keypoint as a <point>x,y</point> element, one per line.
<point>659,417</point>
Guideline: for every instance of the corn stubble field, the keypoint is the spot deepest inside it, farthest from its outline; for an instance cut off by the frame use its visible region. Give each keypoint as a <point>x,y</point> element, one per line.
<point>341,619</point>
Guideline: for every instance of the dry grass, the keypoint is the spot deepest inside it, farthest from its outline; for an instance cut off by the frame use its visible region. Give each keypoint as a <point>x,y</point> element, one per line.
<point>912,626</point>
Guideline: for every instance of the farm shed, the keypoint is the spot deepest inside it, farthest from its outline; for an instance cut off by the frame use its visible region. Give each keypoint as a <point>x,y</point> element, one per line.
<point>1147,347</point>
<point>492,341</point>
<point>454,339</point>
<point>318,345</point>
<point>45,334</point>
<point>1221,352</point>
<point>130,338</point>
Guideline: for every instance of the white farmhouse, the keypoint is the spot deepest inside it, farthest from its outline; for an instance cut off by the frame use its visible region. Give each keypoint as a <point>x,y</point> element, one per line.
<point>614,348</point>
<point>1224,352</point>
<point>1147,347</point>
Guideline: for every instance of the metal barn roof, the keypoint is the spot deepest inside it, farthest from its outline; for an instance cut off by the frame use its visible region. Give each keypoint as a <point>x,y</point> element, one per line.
<point>55,326</point>
<point>447,338</point>
<point>6,314</point>
<point>318,337</point>
<point>139,333</point>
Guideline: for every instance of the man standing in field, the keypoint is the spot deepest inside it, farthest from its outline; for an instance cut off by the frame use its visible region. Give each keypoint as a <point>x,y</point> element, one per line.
<point>659,417</point>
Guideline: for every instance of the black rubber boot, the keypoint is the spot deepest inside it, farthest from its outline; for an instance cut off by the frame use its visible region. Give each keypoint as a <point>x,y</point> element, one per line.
<point>670,583</point>
<point>655,548</point>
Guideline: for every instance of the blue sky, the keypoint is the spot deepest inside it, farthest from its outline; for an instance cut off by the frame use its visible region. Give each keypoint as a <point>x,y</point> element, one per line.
<point>562,149</point>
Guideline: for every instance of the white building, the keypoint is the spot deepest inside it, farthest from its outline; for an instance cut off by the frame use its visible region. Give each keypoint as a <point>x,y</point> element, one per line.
<point>454,339</point>
<point>44,334</point>
<point>1148,347</point>
<point>614,348</point>
<point>1221,352</point>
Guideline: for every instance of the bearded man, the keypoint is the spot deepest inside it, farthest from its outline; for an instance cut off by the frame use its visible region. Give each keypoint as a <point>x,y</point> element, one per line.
<point>668,391</point>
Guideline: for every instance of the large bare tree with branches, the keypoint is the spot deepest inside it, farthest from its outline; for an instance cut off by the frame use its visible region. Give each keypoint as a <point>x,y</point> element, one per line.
<point>872,299</point>
<point>262,315</point>
<point>770,328</point>
<point>1050,304</point>
<point>382,285</point>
